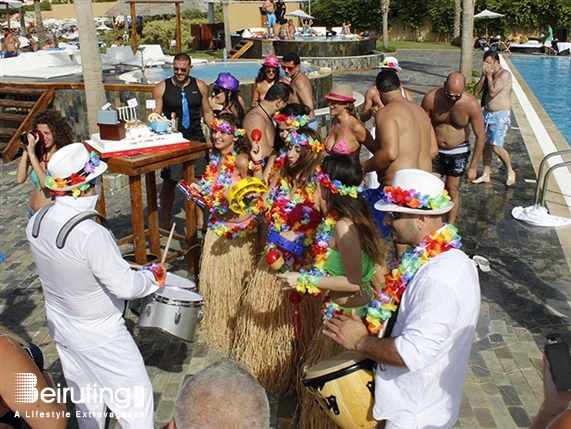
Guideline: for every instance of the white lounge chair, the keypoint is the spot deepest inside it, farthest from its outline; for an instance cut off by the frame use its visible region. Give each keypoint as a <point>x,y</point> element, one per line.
<point>124,55</point>
<point>39,65</point>
<point>155,52</point>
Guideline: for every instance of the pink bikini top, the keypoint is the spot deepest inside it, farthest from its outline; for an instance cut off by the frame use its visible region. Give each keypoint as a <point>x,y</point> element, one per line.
<point>341,145</point>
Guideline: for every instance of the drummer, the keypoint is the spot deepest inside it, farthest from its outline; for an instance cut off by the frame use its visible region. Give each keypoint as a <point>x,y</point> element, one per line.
<point>350,261</point>
<point>439,293</point>
<point>85,283</point>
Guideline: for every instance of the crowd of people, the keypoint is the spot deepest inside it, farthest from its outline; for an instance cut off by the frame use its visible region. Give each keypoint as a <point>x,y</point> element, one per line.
<point>294,269</point>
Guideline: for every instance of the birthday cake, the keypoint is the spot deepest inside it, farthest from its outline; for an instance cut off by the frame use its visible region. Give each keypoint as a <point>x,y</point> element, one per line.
<point>140,138</point>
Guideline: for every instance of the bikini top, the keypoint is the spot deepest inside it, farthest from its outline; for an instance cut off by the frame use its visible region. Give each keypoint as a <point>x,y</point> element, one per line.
<point>341,145</point>
<point>334,265</point>
<point>35,180</point>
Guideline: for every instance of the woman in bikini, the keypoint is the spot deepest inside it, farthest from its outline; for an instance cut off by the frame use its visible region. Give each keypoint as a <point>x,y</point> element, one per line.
<point>52,132</point>
<point>347,133</point>
<point>348,268</point>
<point>268,75</point>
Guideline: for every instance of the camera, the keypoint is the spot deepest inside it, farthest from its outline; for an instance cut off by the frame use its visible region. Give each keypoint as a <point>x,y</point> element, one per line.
<point>557,353</point>
<point>41,142</point>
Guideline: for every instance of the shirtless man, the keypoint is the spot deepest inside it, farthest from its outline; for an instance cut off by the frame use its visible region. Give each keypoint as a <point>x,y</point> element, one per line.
<point>269,7</point>
<point>300,84</point>
<point>261,116</point>
<point>452,110</point>
<point>10,44</point>
<point>404,135</point>
<point>496,88</point>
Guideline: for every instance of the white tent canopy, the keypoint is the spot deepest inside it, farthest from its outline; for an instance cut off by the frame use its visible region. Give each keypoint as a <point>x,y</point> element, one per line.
<point>487,14</point>
<point>299,14</point>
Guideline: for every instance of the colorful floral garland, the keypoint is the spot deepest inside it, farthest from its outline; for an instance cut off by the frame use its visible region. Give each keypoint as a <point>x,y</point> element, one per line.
<point>415,200</point>
<point>75,178</point>
<point>298,139</point>
<point>336,186</point>
<point>233,230</point>
<point>216,180</point>
<point>291,121</point>
<point>226,128</point>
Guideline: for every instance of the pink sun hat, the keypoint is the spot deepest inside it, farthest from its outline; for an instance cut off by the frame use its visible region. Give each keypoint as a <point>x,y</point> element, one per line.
<point>341,92</point>
<point>272,61</point>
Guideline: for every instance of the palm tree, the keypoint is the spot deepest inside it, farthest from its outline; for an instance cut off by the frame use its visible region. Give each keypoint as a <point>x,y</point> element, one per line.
<point>40,30</point>
<point>385,12</point>
<point>90,61</point>
<point>457,20</point>
<point>466,56</point>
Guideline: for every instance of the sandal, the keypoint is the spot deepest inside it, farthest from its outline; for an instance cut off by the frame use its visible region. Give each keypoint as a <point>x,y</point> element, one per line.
<point>481,263</point>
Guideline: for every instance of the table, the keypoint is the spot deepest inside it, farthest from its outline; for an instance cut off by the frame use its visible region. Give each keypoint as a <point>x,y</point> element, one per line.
<point>135,166</point>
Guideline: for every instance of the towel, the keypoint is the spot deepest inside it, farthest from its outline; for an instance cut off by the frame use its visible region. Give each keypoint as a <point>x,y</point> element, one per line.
<point>538,216</point>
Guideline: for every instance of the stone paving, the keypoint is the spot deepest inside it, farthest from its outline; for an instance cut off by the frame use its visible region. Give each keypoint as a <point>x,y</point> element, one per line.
<point>525,296</point>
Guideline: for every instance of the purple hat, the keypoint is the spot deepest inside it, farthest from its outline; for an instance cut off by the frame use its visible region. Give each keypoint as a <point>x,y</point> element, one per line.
<point>227,81</point>
<point>272,61</point>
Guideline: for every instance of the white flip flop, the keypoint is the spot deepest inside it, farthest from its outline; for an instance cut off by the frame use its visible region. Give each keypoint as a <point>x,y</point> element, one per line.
<point>481,263</point>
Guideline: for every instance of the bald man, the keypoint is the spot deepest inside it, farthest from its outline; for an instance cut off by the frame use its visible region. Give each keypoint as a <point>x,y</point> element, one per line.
<point>452,112</point>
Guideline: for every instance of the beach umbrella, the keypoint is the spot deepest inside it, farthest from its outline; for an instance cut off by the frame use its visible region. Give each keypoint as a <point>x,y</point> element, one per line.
<point>103,27</point>
<point>487,15</point>
<point>299,14</point>
<point>11,3</point>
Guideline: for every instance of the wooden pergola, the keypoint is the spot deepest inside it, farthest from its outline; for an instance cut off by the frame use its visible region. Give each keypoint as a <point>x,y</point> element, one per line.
<point>132,4</point>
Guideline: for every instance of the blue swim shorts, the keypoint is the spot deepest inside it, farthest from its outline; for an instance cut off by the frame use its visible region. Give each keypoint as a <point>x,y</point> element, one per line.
<point>372,196</point>
<point>497,124</point>
<point>270,20</point>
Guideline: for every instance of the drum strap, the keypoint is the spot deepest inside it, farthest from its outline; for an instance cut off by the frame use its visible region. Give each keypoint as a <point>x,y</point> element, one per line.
<point>69,225</point>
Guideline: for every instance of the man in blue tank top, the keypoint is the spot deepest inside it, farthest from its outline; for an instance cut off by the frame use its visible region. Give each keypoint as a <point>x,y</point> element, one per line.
<point>169,96</point>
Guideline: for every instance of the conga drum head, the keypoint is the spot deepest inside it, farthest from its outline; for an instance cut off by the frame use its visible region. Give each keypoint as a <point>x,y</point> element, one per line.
<point>343,387</point>
<point>173,280</point>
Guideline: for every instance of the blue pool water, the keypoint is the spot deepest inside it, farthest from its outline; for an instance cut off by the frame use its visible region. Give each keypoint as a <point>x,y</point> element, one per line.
<point>549,78</point>
<point>243,71</point>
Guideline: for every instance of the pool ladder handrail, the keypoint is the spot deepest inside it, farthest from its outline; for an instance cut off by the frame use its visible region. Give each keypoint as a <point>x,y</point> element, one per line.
<point>542,183</point>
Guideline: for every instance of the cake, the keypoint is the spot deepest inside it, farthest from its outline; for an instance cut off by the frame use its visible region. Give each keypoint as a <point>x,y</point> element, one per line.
<point>137,140</point>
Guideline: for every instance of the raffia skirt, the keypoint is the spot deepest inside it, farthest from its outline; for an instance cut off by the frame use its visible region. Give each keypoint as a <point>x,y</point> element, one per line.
<point>224,266</point>
<point>266,339</point>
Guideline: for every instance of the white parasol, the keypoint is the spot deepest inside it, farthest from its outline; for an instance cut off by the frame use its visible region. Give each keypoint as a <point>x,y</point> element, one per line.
<point>487,14</point>
<point>299,14</point>
<point>103,27</point>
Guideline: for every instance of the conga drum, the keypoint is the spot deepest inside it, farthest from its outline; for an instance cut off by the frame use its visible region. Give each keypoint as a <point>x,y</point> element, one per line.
<point>343,386</point>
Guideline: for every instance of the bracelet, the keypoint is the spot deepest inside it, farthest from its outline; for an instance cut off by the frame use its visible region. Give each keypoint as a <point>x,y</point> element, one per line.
<point>256,165</point>
<point>160,275</point>
<point>307,283</point>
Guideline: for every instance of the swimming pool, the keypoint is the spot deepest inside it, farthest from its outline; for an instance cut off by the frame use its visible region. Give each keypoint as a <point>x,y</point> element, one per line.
<point>208,72</point>
<point>548,77</point>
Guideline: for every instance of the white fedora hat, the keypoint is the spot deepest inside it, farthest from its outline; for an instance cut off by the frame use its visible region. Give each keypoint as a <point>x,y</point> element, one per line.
<point>416,192</point>
<point>73,166</point>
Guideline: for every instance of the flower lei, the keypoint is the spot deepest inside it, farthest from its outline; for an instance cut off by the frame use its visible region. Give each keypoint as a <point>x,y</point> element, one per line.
<point>291,121</point>
<point>402,272</point>
<point>75,178</point>
<point>415,200</point>
<point>297,139</point>
<point>216,180</point>
<point>231,231</point>
<point>308,280</point>
<point>226,128</point>
<point>277,208</point>
<point>336,186</point>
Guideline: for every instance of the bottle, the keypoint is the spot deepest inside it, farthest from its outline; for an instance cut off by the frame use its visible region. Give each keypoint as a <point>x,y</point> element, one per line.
<point>225,54</point>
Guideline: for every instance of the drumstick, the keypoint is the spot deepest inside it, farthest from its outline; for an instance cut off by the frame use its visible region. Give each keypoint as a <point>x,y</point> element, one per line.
<point>164,258</point>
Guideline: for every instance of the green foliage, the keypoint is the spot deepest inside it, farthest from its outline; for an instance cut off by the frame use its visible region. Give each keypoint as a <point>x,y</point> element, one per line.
<point>163,31</point>
<point>363,14</point>
<point>386,50</point>
<point>194,14</point>
<point>476,73</point>
<point>45,5</point>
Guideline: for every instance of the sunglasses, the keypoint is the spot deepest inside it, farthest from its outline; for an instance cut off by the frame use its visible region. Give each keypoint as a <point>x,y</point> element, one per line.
<point>182,69</point>
<point>450,95</point>
<point>289,68</point>
<point>272,71</point>
<point>216,90</point>
<point>394,215</point>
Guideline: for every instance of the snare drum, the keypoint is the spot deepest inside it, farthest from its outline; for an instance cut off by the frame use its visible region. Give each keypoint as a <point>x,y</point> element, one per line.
<point>343,385</point>
<point>171,280</point>
<point>173,310</point>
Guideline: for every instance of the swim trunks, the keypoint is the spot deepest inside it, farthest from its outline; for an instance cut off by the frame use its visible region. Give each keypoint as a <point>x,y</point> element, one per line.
<point>372,196</point>
<point>452,162</point>
<point>497,124</point>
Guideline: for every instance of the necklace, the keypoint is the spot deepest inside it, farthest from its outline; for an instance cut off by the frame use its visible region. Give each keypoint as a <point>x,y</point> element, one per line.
<point>216,180</point>
<point>264,110</point>
<point>185,83</point>
<point>403,271</point>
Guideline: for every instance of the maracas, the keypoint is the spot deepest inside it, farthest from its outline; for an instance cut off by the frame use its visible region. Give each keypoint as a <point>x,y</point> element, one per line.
<point>256,135</point>
<point>275,261</point>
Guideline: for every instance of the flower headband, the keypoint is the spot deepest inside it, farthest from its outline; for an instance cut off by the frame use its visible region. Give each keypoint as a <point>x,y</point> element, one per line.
<point>296,121</point>
<point>75,178</point>
<point>226,128</point>
<point>336,186</point>
<point>415,200</point>
<point>303,140</point>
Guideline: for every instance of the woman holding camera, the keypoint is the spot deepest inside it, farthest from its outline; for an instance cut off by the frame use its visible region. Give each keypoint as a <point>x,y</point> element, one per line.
<point>50,132</point>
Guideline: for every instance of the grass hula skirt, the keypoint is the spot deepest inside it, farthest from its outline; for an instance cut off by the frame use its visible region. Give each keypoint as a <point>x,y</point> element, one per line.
<point>266,338</point>
<point>224,266</point>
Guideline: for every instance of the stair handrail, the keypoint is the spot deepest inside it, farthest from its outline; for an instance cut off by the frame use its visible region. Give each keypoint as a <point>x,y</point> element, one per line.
<point>13,145</point>
<point>542,180</point>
